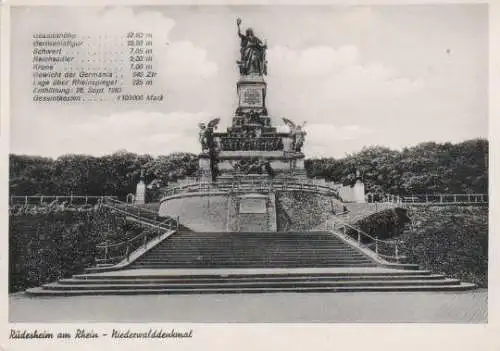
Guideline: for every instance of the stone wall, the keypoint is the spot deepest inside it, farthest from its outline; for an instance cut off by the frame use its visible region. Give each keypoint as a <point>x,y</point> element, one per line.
<point>294,210</point>
<point>201,213</point>
<point>253,222</point>
<point>260,216</point>
<point>300,210</point>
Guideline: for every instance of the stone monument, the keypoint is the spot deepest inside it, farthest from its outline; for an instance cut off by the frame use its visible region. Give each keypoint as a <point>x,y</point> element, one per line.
<point>359,189</point>
<point>140,192</point>
<point>251,146</point>
<point>355,192</point>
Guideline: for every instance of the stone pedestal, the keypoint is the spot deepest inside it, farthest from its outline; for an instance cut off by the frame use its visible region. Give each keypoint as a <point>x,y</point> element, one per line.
<point>140,193</point>
<point>287,144</point>
<point>359,192</point>
<point>251,94</point>
<point>205,171</point>
<point>355,193</point>
<point>256,213</point>
<point>298,168</point>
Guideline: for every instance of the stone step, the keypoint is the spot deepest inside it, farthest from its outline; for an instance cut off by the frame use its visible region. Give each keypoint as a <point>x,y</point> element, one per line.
<point>254,259</point>
<point>249,248</point>
<point>263,252</point>
<point>251,265</point>
<point>403,288</point>
<point>276,258</point>
<point>256,242</point>
<point>234,244</point>
<point>336,250</point>
<point>259,234</point>
<point>251,273</point>
<point>126,280</point>
<point>209,241</point>
<point>254,284</point>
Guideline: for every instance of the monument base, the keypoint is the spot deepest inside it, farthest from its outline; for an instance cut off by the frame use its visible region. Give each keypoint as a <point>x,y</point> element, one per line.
<point>205,170</point>
<point>251,94</point>
<point>140,193</point>
<point>256,213</point>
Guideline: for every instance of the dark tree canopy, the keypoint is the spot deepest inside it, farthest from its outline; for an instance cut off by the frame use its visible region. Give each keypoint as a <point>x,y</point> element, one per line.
<point>425,168</point>
<point>116,174</point>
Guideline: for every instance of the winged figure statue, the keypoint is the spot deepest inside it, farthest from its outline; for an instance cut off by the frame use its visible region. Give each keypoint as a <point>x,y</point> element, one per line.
<point>297,134</point>
<point>206,134</point>
<point>289,123</point>
<point>213,123</point>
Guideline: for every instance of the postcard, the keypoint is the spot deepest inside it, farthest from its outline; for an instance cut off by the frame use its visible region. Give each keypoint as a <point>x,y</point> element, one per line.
<point>178,170</point>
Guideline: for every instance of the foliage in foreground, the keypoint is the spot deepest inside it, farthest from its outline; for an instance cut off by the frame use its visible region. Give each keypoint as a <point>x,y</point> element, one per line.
<point>48,246</point>
<point>452,240</point>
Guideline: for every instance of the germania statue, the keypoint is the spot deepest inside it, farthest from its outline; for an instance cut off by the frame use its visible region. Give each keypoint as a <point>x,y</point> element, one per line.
<point>253,53</point>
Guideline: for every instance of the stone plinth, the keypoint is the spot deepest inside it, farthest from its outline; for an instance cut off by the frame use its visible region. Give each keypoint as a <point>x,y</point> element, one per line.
<point>205,171</point>
<point>253,203</point>
<point>287,144</point>
<point>140,193</point>
<point>354,193</point>
<point>359,192</point>
<point>256,213</point>
<point>251,93</point>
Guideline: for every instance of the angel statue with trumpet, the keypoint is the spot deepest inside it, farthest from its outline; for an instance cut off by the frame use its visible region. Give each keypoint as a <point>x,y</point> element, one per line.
<point>206,134</point>
<point>297,134</point>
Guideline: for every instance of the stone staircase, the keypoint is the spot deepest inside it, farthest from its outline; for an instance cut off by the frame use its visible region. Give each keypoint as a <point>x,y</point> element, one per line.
<point>194,262</point>
<point>181,281</point>
<point>252,250</point>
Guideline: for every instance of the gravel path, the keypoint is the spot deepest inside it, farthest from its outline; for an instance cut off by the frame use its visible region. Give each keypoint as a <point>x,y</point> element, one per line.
<point>376,307</point>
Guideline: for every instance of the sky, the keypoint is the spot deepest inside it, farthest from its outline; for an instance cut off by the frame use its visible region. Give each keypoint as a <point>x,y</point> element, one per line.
<point>392,76</point>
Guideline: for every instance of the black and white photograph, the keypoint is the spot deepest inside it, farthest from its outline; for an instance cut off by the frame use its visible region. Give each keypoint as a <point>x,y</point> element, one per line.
<point>248,164</point>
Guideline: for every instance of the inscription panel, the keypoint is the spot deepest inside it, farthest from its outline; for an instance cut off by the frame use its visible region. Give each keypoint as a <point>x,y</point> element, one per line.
<point>253,205</point>
<point>251,97</point>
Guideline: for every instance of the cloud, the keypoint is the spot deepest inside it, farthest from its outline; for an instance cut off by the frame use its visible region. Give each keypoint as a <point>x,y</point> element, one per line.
<point>311,62</point>
<point>358,18</point>
<point>183,59</point>
<point>331,85</point>
<point>328,139</point>
<point>351,73</point>
<point>137,131</point>
<point>322,132</point>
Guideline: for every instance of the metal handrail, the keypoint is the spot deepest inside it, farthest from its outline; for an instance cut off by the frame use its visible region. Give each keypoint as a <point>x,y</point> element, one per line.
<point>127,205</point>
<point>361,233</point>
<point>156,227</point>
<point>132,214</point>
<point>132,239</point>
<point>157,230</point>
<point>43,198</point>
